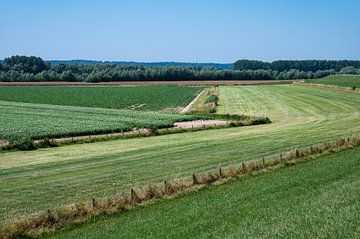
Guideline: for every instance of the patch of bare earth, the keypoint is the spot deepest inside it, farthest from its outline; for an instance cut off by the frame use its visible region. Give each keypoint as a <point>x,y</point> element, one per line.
<point>3,143</point>
<point>199,123</point>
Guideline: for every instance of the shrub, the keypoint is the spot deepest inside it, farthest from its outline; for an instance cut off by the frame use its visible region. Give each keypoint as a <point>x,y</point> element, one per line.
<point>23,143</point>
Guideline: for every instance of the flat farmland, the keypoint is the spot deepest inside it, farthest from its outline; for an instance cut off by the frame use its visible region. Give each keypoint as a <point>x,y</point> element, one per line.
<point>152,98</point>
<point>40,120</point>
<point>302,116</point>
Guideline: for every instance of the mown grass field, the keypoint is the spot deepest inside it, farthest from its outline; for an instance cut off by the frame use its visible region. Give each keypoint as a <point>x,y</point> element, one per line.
<point>314,199</point>
<point>338,80</point>
<point>302,116</point>
<point>39,120</point>
<point>153,97</point>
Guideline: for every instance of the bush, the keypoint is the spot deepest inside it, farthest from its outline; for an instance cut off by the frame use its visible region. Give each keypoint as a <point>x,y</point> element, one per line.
<point>24,144</point>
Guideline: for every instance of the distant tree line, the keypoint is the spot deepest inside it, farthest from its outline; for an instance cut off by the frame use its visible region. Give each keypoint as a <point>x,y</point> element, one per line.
<point>28,69</point>
<point>306,65</point>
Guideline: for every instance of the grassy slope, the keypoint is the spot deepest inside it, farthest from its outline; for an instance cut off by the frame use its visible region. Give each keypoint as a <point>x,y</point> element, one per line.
<point>156,97</point>
<point>38,120</point>
<point>338,80</point>
<point>315,199</point>
<point>37,180</point>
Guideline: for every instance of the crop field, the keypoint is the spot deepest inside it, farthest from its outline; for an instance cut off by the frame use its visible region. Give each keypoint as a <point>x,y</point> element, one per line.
<point>338,80</point>
<point>154,97</point>
<point>302,116</point>
<point>314,199</point>
<point>39,121</point>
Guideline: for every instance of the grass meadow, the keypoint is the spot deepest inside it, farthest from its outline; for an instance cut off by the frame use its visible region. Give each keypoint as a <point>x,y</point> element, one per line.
<point>338,80</point>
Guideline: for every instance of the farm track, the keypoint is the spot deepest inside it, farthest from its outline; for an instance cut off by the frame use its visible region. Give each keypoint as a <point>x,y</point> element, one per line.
<point>190,82</point>
<point>302,116</point>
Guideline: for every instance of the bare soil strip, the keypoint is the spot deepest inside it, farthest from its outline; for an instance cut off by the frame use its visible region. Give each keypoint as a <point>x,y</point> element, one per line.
<point>205,82</point>
<point>189,106</point>
<point>200,123</point>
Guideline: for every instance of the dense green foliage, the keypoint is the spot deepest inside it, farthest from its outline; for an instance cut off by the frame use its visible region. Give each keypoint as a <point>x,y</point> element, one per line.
<point>305,65</point>
<point>156,97</point>
<point>25,64</point>
<point>301,116</point>
<point>227,66</point>
<point>339,80</point>
<point>315,199</point>
<point>26,69</point>
<point>38,121</point>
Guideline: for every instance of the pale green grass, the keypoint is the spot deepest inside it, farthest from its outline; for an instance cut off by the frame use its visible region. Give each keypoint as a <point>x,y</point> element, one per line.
<point>338,80</point>
<point>37,180</point>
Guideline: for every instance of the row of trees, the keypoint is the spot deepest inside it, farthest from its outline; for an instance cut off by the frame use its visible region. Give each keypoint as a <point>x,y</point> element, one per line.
<point>307,65</point>
<point>27,69</point>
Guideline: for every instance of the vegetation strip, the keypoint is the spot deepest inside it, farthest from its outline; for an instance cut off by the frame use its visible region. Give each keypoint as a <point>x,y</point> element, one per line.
<point>215,122</point>
<point>331,87</point>
<point>78,213</point>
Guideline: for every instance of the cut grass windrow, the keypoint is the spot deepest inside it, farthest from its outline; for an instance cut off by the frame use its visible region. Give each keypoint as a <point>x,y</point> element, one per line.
<point>78,213</point>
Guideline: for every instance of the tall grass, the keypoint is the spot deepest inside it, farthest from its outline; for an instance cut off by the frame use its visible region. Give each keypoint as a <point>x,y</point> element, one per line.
<point>78,213</point>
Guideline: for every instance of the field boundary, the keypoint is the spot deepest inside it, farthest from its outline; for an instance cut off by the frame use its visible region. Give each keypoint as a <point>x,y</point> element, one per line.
<point>136,133</point>
<point>78,213</point>
<point>329,87</point>
<point>190,105</point>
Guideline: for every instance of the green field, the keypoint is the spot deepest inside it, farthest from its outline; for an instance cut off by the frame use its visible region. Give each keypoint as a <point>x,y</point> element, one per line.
<point>39,121</point>
<point>315,199</point>
<point>154,97</point>
<point>302,116</point>
<point>338,80</point>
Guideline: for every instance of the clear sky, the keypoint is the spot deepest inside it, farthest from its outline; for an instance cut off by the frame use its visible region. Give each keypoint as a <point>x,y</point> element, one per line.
<point>181,30</point>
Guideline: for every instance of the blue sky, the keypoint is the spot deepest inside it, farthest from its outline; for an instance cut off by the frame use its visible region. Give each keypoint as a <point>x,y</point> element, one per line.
<point>181,30</point>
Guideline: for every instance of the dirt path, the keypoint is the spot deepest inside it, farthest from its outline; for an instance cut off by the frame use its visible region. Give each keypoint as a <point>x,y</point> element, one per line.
<point>188,107</point>
<point>198,82</point>
<point>200,123</point>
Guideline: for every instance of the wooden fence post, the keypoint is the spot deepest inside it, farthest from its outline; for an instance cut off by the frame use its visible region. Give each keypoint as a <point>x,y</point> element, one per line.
<point>195,181</point>
<point>93,202</point>
<point>221,173</point>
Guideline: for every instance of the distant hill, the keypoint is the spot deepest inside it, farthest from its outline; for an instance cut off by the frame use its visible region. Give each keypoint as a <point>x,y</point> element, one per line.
<point>229,66</point>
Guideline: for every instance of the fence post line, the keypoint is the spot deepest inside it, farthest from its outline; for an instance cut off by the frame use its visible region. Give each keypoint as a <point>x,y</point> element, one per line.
<point>263,161</point>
